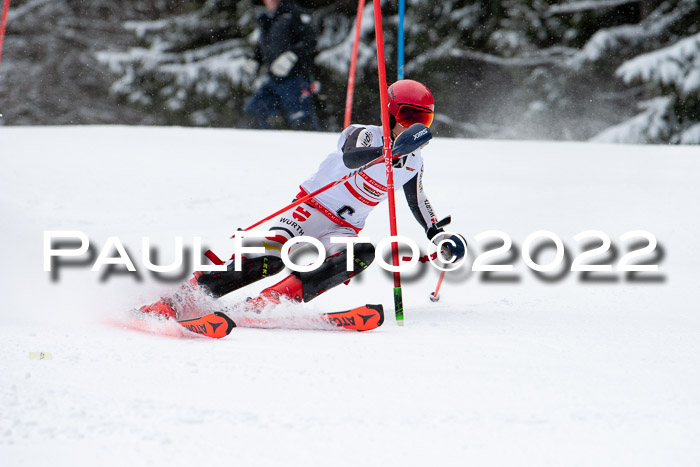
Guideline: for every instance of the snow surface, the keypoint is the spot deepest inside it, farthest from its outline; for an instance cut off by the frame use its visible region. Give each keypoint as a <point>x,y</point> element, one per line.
<point>513,372</point>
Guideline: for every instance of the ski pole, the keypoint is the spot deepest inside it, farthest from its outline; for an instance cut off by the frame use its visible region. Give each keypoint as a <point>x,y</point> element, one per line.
<point>434,297</point>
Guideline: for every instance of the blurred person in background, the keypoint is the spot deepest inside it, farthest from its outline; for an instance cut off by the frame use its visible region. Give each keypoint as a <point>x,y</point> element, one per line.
<point>283,57</point>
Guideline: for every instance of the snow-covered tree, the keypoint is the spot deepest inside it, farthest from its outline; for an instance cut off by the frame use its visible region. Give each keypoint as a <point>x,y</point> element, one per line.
<point>545,69</point>
<point>188,67</point>
<point>672,72</point>
<point>49,73</point>
<point>658,59</point>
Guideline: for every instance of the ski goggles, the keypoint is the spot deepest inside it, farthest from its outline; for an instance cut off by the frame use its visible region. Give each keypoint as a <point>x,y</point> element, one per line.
<point>408,115</point>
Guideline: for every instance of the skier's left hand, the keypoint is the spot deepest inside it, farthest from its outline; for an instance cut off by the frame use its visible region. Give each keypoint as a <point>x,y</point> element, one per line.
<point>453,248</point>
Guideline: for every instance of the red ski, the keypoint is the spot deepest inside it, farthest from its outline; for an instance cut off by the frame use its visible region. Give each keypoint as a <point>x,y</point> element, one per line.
<point>219,324</point>
<point>363,318</point>
<point>215,325</point>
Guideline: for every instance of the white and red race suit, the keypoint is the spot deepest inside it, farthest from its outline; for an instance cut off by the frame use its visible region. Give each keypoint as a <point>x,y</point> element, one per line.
<point>342,210</point>
<point>349,203</point>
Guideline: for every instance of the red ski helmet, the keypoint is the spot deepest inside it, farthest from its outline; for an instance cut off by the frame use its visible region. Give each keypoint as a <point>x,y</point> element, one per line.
<point>411,102</point>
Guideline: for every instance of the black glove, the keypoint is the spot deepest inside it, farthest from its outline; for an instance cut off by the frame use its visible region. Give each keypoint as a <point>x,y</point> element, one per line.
<point>437,227</point>
<point>453,247</point>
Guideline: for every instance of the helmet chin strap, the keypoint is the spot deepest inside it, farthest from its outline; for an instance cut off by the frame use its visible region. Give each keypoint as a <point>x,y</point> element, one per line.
<point>394,134</point>
<point>392,125</point>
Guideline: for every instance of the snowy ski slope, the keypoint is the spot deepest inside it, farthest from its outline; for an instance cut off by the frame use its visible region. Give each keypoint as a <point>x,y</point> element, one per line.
<point>506,369</point>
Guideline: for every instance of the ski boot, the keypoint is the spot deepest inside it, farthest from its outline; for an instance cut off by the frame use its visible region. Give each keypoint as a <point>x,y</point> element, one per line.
<point>164,307</point>
<point>305,286</point>
<point>187,300</point>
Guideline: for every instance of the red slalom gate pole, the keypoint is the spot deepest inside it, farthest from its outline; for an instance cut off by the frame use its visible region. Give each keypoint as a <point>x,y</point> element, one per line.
<point>381,65</point>
<point>5,7</point>
<point>353,65</point>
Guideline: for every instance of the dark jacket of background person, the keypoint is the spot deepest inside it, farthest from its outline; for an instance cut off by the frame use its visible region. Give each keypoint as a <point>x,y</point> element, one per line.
<point>289,28</point>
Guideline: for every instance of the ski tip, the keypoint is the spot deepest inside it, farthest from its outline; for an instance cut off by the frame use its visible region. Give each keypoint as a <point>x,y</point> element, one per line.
<point>380,311</point>
<point>363,318</point>
<point>231,324</point>
<point>400,323</point>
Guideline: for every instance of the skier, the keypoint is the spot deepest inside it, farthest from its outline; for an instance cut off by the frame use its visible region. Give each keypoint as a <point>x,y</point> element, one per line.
<point>285,50</point>
<point>338,212</point>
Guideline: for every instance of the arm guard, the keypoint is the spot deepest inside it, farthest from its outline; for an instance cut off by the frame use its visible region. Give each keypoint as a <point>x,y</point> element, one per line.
<point>356,150</point>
